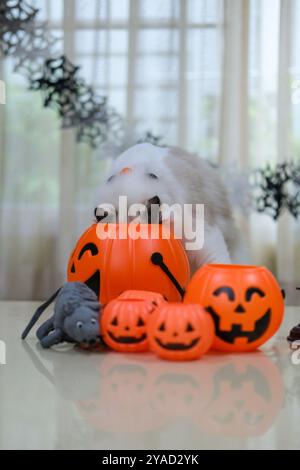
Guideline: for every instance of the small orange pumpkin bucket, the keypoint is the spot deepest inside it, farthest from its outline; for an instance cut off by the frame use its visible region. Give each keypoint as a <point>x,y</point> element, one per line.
<point>124,324</point>
<point>179,332</point>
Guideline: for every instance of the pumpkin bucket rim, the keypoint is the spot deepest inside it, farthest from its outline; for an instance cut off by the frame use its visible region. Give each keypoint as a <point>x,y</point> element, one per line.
<point>232,267</point>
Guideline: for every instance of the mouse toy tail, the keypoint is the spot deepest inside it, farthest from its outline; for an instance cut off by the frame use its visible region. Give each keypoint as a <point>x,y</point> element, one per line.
<point>38,313</point>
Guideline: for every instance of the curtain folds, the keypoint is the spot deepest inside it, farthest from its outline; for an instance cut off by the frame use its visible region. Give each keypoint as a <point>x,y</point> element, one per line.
<point>218,77</point>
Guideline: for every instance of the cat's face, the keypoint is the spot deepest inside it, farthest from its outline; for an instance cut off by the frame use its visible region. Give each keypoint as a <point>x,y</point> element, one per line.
<point>138,176</point>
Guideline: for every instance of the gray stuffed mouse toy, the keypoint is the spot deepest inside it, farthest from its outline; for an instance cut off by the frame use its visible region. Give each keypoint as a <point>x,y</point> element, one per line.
<point>75,318</point>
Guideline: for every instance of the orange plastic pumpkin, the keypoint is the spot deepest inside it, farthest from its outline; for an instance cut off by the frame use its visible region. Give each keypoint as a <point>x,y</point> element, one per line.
<point>111,266</point>
<point>86,261</point>
<point>124,324</point>
<point>153,297</point>
<point>180,332</point>
<point>245,302</point>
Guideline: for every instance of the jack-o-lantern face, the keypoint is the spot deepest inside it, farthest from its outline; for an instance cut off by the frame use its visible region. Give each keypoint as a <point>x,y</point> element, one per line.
<point>154,297</point>
<point>124,397</point>
<point>245,302</point>
<point>179,388</point>
<point>124,324</point>
<point>121,262</point>
<point>180,332</point>
<point>85,263</point>
<point>246,396</point>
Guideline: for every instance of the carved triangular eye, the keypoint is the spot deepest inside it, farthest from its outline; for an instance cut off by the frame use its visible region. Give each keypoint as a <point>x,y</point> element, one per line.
<point>115,322</point>
<point>162,327</point>
<point>140,322</point>
<point>189,327</point>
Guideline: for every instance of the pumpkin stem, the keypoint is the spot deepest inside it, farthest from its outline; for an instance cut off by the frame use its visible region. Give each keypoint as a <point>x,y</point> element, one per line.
<point>158,260</point>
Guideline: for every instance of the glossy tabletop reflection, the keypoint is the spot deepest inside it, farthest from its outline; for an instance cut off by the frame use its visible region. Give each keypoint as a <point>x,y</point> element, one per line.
<point>67,398</point>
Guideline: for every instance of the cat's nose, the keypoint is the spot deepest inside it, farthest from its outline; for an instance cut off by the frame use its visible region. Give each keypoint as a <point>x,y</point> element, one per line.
<point>153,200</point>
<point>125,171</point>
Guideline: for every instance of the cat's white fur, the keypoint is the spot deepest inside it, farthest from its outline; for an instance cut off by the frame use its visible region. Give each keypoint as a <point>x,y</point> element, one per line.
<point>183,178</point>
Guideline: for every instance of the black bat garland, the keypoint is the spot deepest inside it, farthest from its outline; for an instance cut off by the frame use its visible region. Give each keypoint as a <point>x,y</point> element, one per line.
<point>275,189</point>
<point>77,104</point>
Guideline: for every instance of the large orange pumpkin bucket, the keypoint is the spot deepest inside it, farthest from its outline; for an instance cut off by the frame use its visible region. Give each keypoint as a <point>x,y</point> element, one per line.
<point>122,262</point>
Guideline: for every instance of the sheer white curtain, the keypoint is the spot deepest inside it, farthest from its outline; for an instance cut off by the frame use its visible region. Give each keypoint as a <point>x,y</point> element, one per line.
<point>273,122</point>
<point>213,76</point>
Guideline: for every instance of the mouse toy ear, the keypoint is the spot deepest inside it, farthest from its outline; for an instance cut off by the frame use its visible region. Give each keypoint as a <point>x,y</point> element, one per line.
<point>38,313</point>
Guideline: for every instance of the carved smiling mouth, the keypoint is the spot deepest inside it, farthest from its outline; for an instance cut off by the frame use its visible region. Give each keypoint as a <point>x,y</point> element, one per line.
<point>260,327</point>
<point>127,339</point>
<point>177,346</point>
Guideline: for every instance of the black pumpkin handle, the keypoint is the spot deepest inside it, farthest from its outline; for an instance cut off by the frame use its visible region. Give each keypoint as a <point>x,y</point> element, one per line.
<point>158,260</point>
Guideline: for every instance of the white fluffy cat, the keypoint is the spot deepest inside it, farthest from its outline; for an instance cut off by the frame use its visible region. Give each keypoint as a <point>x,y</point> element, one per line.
<point>175,176</point>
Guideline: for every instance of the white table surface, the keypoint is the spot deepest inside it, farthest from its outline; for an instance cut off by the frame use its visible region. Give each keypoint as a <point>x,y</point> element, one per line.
<point>71,399</point>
